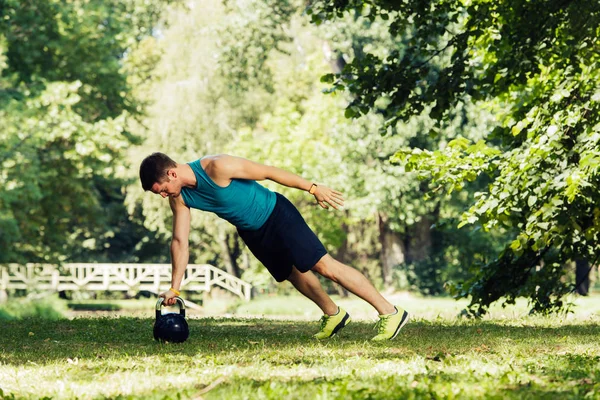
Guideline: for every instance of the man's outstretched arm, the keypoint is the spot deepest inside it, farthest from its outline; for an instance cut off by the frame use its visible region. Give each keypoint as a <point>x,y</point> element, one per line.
<point>179,246</point>
<point>229,167</point>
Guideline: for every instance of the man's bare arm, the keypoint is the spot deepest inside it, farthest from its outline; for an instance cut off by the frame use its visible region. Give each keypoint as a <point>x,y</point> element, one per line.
<point>229,167</point>
<point>179,246</point>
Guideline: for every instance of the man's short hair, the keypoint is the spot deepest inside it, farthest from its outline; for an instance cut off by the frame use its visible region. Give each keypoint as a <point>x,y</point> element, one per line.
<point>154,169</point>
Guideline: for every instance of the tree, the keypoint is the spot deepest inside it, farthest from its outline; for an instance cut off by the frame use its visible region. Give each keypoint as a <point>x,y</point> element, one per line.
<point>64,100</point>
<point>535,64</point>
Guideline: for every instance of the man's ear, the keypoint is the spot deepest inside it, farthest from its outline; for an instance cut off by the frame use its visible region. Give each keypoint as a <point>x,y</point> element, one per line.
<point>172,173</point>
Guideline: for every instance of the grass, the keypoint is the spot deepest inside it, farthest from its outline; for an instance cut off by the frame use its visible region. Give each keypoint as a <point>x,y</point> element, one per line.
<point>506,355</point>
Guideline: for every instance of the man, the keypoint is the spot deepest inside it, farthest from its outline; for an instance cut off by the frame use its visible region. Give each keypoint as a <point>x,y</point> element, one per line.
<point>269,224</point>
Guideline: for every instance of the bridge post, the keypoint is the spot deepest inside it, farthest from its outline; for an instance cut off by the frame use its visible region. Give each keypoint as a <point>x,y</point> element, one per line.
<point>55,280</point>
<point>208,278</point>
<point>3,284</point>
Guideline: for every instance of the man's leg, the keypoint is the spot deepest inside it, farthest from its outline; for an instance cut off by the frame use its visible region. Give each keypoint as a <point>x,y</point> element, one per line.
<point>353,281</point>
<point>391,319</point>
<point>308,284</point>
<point>334,318</point>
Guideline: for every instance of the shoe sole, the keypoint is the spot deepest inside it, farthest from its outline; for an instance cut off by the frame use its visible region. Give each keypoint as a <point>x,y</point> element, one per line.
<point>403,322</point>
<point>345,321</point>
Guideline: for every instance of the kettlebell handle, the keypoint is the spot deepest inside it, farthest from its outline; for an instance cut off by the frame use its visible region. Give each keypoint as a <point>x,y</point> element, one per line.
<point>159,304</point>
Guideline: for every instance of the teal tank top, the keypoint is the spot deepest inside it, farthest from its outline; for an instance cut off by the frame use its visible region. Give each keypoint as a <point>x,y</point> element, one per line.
<point>244,203</point>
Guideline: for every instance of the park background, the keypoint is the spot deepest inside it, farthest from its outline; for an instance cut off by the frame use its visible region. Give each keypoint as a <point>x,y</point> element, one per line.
<point>463,134</point>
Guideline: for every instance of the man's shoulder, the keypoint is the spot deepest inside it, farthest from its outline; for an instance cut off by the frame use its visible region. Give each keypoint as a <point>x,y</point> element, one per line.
<point>217,164</point>
<point>177,203</point>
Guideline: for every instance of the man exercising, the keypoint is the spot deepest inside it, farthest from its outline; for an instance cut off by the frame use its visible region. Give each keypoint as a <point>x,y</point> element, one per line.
<point>269,224</point>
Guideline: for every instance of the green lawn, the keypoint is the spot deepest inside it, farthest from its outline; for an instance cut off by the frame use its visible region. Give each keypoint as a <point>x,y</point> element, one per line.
<point>505,355</point>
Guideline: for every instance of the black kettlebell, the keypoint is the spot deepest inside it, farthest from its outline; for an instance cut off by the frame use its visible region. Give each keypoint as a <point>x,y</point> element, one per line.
<point>171,327</point>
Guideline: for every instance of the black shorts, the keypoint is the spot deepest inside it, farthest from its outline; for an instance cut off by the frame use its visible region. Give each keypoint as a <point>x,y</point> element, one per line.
<point>284,240</point>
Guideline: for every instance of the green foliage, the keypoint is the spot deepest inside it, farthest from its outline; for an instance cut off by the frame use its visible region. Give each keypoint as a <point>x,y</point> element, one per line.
<point>252,31</point>
<point>85,41</point>
<point>535,64</point>
<point>52,161</point>
<point>64,104</point>
<point>49,308</point>
<point>382,187</point>
<point>94,306</point>
<point>457,256</point>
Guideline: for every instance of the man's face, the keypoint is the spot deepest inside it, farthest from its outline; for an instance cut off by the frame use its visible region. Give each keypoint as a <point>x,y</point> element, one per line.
<point>168,188</point>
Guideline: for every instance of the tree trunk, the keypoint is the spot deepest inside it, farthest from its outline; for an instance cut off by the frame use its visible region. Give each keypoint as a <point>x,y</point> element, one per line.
<point>582,277</point>
<point>392,250</point>
<point>335,59</point>
<point>418,241</point>
<point>246,259</point>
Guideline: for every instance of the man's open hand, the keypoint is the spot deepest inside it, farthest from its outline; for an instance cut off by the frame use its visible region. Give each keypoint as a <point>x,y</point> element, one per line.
<point>328,197</point>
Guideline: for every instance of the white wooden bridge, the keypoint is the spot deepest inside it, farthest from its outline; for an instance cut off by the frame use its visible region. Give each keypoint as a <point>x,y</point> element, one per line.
<point>154,278</point>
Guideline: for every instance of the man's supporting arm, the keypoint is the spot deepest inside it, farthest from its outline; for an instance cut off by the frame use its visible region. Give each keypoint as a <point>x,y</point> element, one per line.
<point>179,246</point>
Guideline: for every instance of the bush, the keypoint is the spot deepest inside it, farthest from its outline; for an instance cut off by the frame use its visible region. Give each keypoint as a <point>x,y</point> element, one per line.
<point>94,306</point>
<point>50,308</point>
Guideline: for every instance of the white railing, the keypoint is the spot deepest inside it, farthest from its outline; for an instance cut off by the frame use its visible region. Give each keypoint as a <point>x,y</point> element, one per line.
<point>117,277</point>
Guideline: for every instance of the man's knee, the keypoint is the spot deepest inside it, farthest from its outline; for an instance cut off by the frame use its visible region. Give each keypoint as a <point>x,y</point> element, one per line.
<point>326,268</point>
<point>294,275</point>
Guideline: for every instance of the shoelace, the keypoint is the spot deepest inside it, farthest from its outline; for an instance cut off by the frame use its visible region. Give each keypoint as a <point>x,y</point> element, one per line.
<point>380,325</point>
<point>324,320</point>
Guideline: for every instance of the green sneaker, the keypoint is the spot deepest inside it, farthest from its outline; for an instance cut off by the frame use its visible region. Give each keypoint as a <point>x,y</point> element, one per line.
<point>331,324</point>
<point>389,325</point>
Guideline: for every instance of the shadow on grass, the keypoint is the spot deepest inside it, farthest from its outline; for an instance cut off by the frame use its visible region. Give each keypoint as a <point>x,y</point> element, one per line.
<point>34,340</point>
